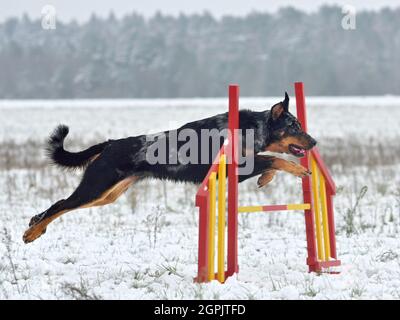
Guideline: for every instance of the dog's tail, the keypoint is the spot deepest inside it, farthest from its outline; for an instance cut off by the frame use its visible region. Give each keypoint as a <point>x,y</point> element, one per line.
<point>59,156</point>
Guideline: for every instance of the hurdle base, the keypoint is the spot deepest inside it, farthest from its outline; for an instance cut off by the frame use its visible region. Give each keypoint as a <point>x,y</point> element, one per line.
<point>205,279</point>
<point>320,266</point>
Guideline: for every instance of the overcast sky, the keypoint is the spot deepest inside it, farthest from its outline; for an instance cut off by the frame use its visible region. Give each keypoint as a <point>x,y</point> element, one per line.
<point>81,9</point>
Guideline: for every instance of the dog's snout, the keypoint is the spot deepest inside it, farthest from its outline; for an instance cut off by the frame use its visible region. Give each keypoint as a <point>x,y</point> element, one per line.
<point>313,142</point>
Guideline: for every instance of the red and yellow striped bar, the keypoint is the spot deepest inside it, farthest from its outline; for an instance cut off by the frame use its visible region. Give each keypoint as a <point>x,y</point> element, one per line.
<point>325,226</point>
<point>221,217</point>
<point>277,207</point>
<point>317,211</point>
<point>211,235</point>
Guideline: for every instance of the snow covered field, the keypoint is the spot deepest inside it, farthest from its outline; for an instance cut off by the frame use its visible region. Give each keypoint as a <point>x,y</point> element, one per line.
<point>145,245</point>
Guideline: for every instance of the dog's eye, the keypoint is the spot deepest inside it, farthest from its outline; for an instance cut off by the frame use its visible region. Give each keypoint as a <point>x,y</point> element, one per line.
<point>280,133</point>
<point>296,125</point>
<point>294,128</point>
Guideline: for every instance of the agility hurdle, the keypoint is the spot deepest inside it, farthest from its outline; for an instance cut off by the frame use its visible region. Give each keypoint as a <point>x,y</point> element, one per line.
<point>318,192</point>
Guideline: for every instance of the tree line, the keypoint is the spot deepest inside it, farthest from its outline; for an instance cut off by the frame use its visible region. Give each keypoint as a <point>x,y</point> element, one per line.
<point>198,55</point>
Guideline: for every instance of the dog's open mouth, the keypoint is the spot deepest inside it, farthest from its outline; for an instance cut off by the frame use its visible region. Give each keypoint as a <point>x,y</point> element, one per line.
<point>297,151</point>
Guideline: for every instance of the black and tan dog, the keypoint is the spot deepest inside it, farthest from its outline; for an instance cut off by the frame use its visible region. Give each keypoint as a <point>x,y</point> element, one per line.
<point>112,166</point>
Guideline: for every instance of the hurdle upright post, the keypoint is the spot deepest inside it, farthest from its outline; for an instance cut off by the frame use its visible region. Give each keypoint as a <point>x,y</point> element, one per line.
<point>306,182</point>
<point>233,126</point>
<point>203,203</point>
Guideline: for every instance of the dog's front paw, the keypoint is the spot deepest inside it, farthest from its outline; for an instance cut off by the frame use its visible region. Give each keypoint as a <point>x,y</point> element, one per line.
<point>299,171</point>
<point>265,178</point>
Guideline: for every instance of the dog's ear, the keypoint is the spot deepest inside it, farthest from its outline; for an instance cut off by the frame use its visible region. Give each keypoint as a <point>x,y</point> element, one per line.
<point>286,102</point>
<point>280,107</point>
<point>277,110</point>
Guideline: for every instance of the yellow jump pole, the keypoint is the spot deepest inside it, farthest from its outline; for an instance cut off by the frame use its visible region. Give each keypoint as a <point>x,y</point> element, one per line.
<point>322,194</point>
<point>211,239</point>
<point>221,217</point>
<point>317,211</point>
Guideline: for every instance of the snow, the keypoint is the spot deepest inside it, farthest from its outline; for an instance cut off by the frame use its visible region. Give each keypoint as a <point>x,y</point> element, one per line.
<point>144,246</point>
<point>388,100</point>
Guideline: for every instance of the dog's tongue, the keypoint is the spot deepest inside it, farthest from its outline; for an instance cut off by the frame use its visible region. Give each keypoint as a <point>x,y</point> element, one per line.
<point>298,150</point>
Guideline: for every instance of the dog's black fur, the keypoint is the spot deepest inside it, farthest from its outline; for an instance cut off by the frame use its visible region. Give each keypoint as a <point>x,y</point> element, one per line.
<point>109,163</point>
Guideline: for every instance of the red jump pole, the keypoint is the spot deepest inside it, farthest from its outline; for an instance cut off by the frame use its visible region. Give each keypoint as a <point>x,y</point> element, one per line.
<point>233,125</point>
<point>306,182</point>
<point>203,204</point>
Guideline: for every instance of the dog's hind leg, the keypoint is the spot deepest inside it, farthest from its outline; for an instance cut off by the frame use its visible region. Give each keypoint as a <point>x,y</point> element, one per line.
<point>39,223</point>
<point>113,193</point>
<point>94,190</point>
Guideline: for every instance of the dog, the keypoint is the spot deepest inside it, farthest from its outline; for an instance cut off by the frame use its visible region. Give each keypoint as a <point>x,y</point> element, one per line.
<point>112,166</point>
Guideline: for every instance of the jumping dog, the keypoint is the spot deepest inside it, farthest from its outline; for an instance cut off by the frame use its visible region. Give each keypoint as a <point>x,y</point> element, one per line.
<point>112,166</point>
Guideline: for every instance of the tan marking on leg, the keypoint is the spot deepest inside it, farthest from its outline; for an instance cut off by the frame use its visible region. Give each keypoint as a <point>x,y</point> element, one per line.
<point>266,178</point>
<point>113,193</point>
<point>36,230</point>
<point>290,167</point>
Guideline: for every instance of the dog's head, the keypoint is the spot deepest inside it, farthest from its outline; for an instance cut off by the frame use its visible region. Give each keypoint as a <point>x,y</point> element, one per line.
<point>285,132</point>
